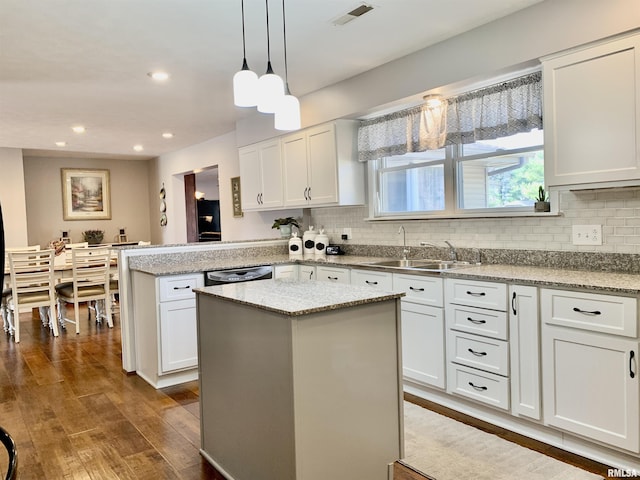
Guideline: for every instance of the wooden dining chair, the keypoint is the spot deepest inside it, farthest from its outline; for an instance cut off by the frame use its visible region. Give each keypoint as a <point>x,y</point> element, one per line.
<point>6,285</point>
<point>32,285</point>
<point>90,283</point>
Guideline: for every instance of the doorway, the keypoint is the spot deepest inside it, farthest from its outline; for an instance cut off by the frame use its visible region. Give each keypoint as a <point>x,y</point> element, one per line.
<point>202,201</point>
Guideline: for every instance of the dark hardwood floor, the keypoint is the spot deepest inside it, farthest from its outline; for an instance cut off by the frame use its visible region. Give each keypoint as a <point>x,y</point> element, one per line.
<point>74,413</point>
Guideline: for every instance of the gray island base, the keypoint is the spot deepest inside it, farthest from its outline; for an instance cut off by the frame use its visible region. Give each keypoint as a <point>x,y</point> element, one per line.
<point>300,380</point>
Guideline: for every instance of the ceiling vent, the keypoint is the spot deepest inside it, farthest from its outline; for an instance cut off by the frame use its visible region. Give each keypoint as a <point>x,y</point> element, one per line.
<point>353,14</point>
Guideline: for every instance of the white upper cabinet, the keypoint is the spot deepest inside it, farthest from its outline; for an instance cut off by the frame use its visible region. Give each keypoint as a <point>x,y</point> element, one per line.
<point>261,175</point>
<point>321,166</point>
<point>592,113</point>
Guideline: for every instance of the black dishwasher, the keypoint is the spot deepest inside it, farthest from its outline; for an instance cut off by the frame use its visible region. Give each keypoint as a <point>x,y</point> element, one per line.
<point>236,275</point>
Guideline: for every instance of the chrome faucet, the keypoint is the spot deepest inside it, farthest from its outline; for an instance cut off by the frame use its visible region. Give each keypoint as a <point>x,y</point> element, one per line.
<point>453,253</point>
<point>405,250</point>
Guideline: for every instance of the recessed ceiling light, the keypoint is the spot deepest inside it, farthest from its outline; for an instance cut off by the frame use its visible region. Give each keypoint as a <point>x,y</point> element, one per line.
<point>159,76</point>
<point>167,135</point>
<point>61,144</point>
<point>138,148</point>
<point>79,129</point>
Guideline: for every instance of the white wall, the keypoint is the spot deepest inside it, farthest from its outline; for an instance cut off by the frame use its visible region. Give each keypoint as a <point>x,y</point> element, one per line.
<point>12,197</point>
<point>170,170</point>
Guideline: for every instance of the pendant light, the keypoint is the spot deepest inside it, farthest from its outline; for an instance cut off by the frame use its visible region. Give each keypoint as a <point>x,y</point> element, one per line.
<point>245,81</point>
<point>287,115</point>
<point>270,85</point>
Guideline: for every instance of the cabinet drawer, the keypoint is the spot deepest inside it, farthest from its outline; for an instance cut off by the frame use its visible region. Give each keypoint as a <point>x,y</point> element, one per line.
<point>378,280</point>
<point>179,287</point>
<point>488,323</point>
<point>476,294</point>
<point>590,311</point>
<point>331,274</point>
<point>483,387</point>
<point>422,289</point>
<point>479,352</point>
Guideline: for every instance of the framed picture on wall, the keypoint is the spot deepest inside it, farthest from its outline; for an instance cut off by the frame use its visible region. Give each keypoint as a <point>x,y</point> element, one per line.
<point>86,194</point>
<point>235,197</point>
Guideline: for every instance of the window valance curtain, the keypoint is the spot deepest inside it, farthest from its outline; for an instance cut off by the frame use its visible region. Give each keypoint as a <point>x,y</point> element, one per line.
<point>497,111</point>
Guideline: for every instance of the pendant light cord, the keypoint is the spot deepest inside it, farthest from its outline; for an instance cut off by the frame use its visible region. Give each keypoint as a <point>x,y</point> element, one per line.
<point>268,41</point>
<point>284,35</point>
<point>244,45</point>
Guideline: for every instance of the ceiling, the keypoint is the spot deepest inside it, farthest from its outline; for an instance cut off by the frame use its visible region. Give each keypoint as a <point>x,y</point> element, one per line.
<point>85,62</point>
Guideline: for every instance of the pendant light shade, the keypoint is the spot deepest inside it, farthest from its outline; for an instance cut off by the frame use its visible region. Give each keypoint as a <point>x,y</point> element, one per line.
<point>245,81</point>
<point>245,87</point>
<point>287,115</point>
<point>270,91</point>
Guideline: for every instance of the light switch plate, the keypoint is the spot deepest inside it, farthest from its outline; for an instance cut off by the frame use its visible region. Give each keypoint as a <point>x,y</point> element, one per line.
<point>586,234</point>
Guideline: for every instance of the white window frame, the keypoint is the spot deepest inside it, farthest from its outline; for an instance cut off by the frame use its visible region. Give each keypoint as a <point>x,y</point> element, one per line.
<point>451,162</point>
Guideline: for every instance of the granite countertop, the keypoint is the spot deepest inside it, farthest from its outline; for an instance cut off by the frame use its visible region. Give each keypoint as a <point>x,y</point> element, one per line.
<point>195,264</point>
<point>610,282</point>
<point>296,298</point>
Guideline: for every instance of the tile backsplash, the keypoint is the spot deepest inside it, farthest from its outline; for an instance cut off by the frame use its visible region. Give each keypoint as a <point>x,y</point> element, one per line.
<point>616,209</point>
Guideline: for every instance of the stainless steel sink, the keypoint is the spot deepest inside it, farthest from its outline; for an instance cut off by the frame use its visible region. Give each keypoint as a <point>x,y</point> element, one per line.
<point>425,264</point>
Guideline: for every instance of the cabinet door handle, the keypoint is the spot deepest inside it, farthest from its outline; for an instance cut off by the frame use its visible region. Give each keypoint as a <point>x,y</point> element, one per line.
<point>587,312</point>
<point>416,289</point>
<point>368,282</point>
<point>309,193</point>
<point>182,288</point>
<point>477,354</point>
<point>632,354</point>
<point>482,389</point>
<point>477,322</point>
<point>513,303</point>
<point>306,195</point>
<point>476,294</point>
<point>258,199</point>
<point>332,278</point>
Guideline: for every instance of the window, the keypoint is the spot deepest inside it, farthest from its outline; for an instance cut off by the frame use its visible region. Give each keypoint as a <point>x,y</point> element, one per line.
<point>489,176</point>
<point>480,153</point>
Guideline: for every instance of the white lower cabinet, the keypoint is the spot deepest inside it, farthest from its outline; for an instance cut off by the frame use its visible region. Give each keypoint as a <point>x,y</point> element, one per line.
<point>165,316</point>
<point>285,271</point>
<point>307,272</point>
<point>333,274</point>
<point>373,279</point>
<point>477,341</point>
<point>423,344</point>
<point>178,335</point>
<point>524,346</point>
<point>590,383</point>
<point>423,332</point>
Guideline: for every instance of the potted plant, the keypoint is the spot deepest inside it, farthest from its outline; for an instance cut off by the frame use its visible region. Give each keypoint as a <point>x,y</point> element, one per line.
<point>284,225</point>
<point>93,237</point>
<point>542,201</point>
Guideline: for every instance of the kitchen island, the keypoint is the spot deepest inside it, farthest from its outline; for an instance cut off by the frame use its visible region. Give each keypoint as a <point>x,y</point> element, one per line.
<point>299,380</point>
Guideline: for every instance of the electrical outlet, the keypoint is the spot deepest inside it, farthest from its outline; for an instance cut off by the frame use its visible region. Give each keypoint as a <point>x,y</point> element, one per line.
<point>586,234</point>
<point>347,232</point>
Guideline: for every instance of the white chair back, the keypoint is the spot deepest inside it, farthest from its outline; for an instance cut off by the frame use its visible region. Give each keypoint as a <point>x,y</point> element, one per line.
<point>29,248</point>
<point>90,281</point>
<point>32,285</point>
<point>69,247</point>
